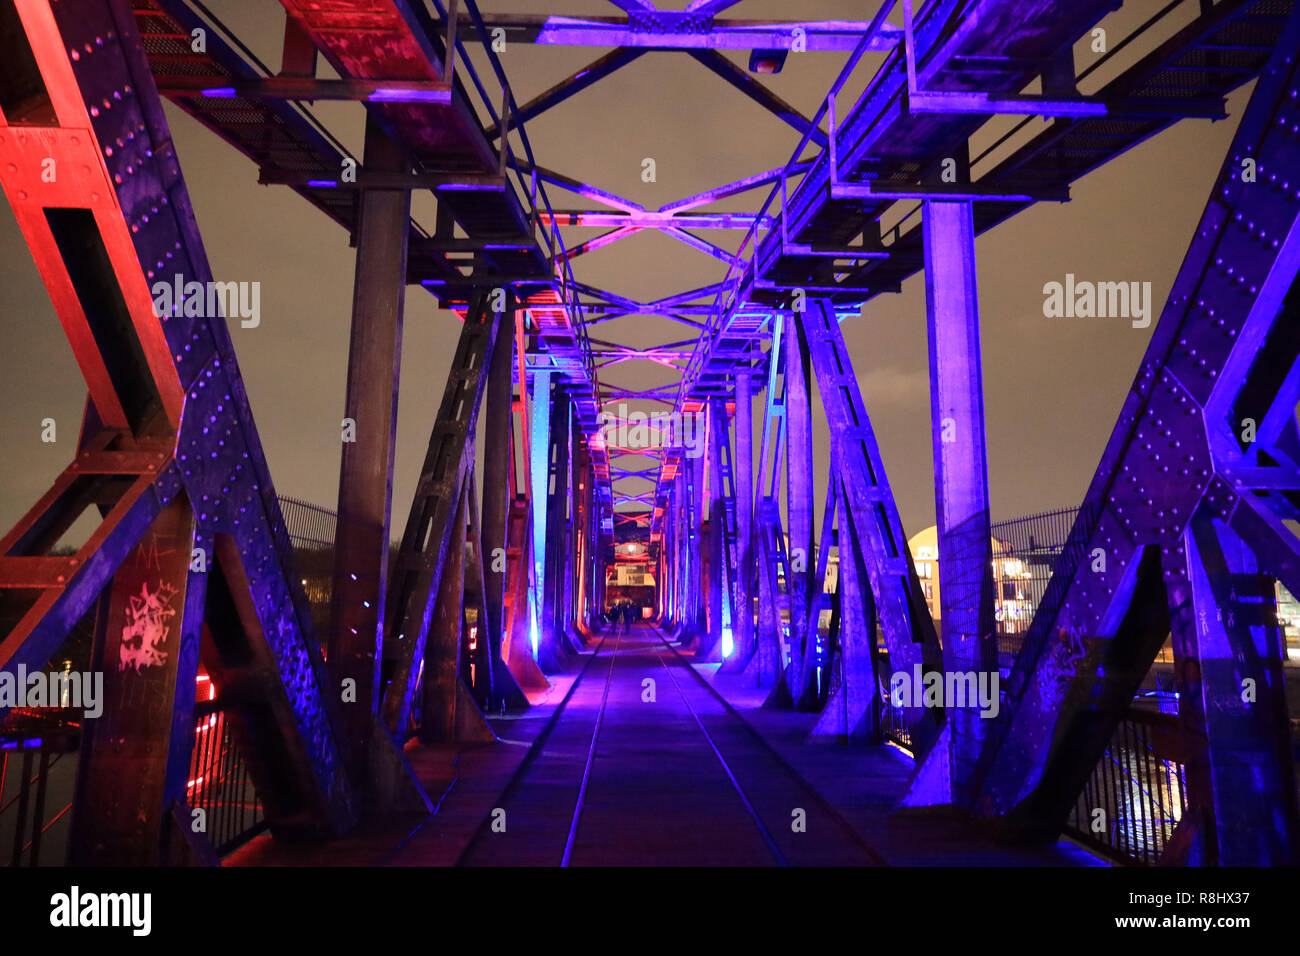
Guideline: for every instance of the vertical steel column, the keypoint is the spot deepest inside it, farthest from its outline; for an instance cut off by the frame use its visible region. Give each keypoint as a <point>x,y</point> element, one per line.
<point>496,687</point>
<point>554,646</point>
<point>961,471</point>
<point>798,490</point>
<point>595,599</point>
<point>135,755</point>
<point>1196,838</point>
<point>539,449</point>
<point>716,604</point>
<point>765,664</point>
<point>683,559</point>
<point>695,547</point>
<point>440,691</point>
<point>598,566</point>
<point>677,554</point>
<point>581,527</point>
<point>687,559</point>
<point>361,545</point>
<point>573,554</point>
<point>663,589</point>
<point>1243,699</point>
<point>852,712</point>
<point>805,689</point>
<point>743,475</point>
<point>497,468</point>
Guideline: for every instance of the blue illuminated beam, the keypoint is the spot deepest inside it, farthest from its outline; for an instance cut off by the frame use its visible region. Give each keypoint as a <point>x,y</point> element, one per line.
<point>539,444</point>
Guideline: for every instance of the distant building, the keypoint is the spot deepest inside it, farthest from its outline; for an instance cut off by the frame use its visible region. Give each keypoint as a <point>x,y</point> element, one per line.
<point>1013,598</point>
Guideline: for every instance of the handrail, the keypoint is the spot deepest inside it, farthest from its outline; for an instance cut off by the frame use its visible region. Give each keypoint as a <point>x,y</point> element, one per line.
<point>729,287</point>
<point>532,187</point>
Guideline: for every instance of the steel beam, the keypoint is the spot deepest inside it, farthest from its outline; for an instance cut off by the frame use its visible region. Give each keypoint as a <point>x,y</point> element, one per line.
<point>431,523</point>
<point>799,490</point>
<point>135,757</point>
<point>1222,351</point>
<point>578,81</point>
<point>361,546</point>
<point>852,712</point>
<point>554,648</point>
<point>140,217</point>
<point>905,620</point>
<point>742,617</point>
<point>718,603</point>
<point>1243,703</point>
<point>498,468</point>
<point>724,34</point>
<point>960,476</point>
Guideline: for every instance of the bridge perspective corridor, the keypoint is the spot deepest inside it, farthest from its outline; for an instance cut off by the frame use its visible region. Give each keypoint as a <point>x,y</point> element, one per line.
<point>645,761</point>
<point>214,674</point>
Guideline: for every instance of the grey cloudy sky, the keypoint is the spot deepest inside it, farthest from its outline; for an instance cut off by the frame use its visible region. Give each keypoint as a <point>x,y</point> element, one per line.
<point>1053,386</point>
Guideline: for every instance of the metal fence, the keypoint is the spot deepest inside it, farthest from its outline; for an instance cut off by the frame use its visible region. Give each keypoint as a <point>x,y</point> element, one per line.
<point>37,779</point>
<point>219,783</point>
<point>312,529</point>
<point>1132,803</point>
<point>310,526</point>
<point>893,724</point>
<point>1027,549</point>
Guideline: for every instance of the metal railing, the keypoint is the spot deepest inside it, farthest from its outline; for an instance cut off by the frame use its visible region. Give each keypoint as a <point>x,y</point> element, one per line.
<point>1029,547</point>
<point>1135,798</point>
<point>727,298</point>
<point>312,529</point>
<point>526,174</point>
<point>893,723</point>
<point>37,779</point>
<point>310,526</point>
<point>219,783</point>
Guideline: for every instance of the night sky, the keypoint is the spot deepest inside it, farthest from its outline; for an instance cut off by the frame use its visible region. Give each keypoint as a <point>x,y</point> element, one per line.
<point>1053,387</point>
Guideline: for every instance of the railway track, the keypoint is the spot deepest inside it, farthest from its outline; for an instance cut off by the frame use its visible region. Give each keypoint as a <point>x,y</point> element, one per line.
<point>651,766</point>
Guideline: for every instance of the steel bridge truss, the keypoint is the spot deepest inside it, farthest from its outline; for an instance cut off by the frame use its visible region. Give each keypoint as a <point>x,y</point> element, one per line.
<point>1183,531</point>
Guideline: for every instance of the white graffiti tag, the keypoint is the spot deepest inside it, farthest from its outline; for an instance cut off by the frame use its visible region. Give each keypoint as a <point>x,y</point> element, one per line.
<point>146,628</point>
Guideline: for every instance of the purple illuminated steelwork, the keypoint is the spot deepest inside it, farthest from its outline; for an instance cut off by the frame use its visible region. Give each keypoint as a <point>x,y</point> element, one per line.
<point>905,622</point>
<point>1163,532</point>
<point>960,475</point>
<point>743,472</point>
<point>799,490</point>
<point>1189,522</point>
<point>825,35</point>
